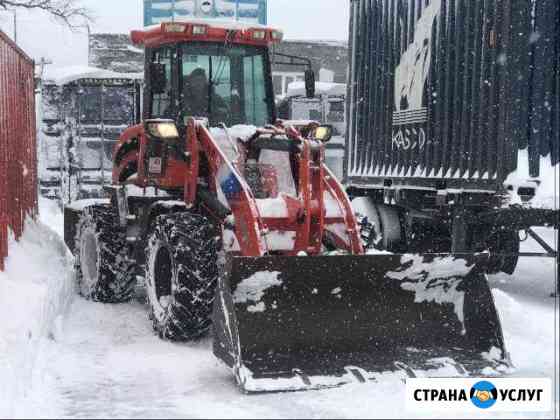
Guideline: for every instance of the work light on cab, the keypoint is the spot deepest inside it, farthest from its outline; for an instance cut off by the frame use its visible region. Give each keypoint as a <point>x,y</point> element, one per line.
<point>199,29</point>
<point>259,35</point>
<point>174,27</point>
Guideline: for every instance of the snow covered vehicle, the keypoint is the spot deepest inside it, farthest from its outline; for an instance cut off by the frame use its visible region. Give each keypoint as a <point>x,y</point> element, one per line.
<point>83,112</point>
<point>247,229</point>
<point>327,107</point>
<point>453,126</point>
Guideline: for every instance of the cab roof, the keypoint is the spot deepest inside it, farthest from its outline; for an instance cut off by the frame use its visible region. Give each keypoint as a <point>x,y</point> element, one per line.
<point>207,30</point>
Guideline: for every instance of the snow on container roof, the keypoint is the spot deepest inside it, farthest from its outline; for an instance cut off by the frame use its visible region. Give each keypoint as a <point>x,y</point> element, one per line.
<point>321,88</point>
<point>65,75</point>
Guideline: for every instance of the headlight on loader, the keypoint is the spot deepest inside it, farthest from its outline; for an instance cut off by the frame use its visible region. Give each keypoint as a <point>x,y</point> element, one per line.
<point>162,129</point>
<point>323,133</point>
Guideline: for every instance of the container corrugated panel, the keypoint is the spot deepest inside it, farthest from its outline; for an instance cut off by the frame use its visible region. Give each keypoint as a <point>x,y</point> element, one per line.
<point>18,157</point>
<point>446,92</point>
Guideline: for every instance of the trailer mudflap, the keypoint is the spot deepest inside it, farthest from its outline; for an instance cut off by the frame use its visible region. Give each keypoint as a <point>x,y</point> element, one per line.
<point>294,323</point>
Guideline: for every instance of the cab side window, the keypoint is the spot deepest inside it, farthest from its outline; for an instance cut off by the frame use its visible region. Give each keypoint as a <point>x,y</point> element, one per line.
<point>161,97</point>
<point>256,109</point>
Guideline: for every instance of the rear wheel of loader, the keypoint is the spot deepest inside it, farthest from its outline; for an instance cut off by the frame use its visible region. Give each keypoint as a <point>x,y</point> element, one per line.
<point>103,270</point>
<point>181,275</point>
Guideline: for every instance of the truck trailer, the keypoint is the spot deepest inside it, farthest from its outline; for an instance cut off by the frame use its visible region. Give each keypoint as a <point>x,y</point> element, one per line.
<point>453,124</point>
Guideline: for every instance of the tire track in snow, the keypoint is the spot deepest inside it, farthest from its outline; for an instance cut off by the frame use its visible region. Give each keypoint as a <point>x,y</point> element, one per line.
<point>108,363</point>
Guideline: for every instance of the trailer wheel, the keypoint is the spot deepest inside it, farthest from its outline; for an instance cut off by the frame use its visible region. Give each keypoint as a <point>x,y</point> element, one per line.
<point>503,242</point>
<point>181,275</point>
<point>103,270</point>
<point>380,225</point>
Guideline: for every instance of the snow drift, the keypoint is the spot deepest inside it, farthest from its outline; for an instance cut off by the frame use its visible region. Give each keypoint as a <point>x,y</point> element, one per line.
<point>34,292</point>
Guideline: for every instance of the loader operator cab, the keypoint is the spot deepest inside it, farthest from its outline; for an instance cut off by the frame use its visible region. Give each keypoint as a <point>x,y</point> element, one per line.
<point>217,72</point>
<point>224,82</point>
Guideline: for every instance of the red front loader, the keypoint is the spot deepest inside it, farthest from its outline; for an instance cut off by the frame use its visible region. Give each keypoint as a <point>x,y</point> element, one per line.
<point>246,228</point>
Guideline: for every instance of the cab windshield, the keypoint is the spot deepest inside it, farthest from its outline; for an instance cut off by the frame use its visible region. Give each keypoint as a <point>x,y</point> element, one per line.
<point>224,83</point>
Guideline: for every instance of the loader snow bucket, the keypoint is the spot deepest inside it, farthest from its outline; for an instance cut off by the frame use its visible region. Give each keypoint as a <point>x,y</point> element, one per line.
<point>294,323</point>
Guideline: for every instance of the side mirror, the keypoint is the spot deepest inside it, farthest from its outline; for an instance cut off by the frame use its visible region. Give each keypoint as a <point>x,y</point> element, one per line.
<point>323,133</point>
<point>310,83</point>
<point>158,78</point>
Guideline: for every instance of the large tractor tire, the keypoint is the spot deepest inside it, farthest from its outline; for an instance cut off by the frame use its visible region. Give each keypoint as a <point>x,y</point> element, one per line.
<point>181,275</point>
<point>103,270</point>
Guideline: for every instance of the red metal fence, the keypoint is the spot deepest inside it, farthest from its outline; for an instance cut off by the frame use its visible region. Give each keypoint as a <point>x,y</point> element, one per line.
<point>18,151</point>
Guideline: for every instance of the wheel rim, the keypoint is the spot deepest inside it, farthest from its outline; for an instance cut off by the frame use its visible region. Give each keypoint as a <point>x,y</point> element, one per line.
<point>162,277</point>
<point>89,260</point>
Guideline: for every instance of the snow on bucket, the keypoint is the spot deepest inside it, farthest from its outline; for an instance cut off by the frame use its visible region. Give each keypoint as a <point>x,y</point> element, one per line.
<point>290,323</point>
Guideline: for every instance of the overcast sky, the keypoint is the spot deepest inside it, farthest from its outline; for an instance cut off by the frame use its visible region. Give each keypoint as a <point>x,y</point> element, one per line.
<point>41,36</point>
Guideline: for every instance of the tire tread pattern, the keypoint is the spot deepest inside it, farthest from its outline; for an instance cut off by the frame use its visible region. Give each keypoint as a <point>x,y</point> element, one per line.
<point>193,243</point>
<point>117,279</point>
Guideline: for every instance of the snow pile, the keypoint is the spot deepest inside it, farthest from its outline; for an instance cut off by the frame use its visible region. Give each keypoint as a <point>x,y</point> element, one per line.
<point>547,192</point>
<point>242,132</point>
<point>280,241</point>
<point>332,206</point>
<point>227,139</point>
<point>34,291</point>
<point>273,207</point>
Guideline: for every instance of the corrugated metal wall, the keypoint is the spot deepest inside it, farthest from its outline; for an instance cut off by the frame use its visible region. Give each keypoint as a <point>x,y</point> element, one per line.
<point>451,89</point>
<point>18,152</point>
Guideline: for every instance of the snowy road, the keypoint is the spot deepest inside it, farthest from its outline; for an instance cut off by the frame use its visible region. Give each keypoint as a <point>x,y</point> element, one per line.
<point>106,362</point>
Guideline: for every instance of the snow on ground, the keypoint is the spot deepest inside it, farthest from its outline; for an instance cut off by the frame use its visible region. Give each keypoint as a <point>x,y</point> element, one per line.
<point>34,291</point>
<point>105,361</point>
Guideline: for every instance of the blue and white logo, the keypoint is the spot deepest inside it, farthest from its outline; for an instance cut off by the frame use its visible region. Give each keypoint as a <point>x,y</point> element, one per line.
<point>228,181</point>
<point>484,394</point>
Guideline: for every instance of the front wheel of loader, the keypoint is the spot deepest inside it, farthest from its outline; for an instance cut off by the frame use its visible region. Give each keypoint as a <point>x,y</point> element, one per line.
<point>103,270</point>
<point>181,275</point>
